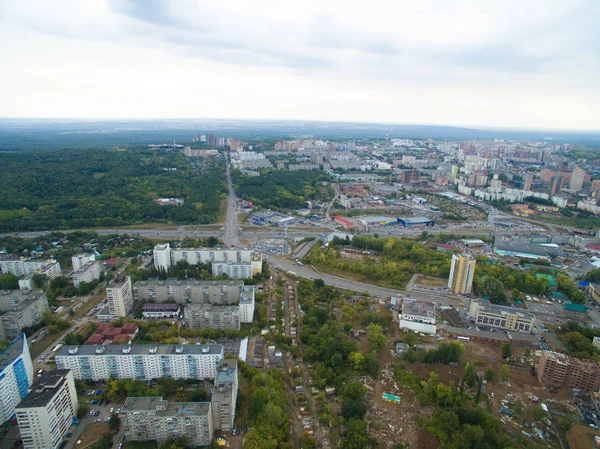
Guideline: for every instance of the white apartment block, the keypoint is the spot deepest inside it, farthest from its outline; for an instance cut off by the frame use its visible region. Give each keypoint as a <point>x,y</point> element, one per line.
<point>206,316</point>
<point>25,266</point>
<point>224,396</point>
<point>51,270</point>
<point>247,305</point>
<point>120,297</point>
<point>88,272</point>
<point>16,376</point>
<point>154,419</point>
<point>141,362</point>
<point>240,270</point>
<point>22,308</point>
<point>47,412</point>
<point>80,260</point>
<point>164,257</point>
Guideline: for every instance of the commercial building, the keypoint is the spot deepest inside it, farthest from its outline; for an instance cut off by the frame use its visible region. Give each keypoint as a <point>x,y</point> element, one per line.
<point>120,297</point>
<point>558,370</point>
<point>164,257</point>
<point>508,318</point>
<point>376,221</point>
<point>142,362</point>
<point>224,396</point>
<point>158,311</point>
<point>16,376</point>
<point>88,272</point>
<point>154,419</point>
<point>415,222</point>
<point>79,260</point>
<point>418,316</point>
<point>46,414</point>
<point>22,309</point>
<point>524,250</point>
<point>346,224</point>
<point>462,271</point>
<point>593,291</point>
<point>25,266</point>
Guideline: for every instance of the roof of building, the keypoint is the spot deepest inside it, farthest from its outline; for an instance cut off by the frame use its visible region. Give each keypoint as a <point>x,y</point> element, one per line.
<point>164,307</point>
<point>415,220</point>
<point>525,248</point>
<point>593,246</point>
<point>448,247</point>
<point>122,339</point>
<point>164,408</point>
<point>95,339</point>
<point>419,308</point>
<point>14,350</point>
<point>575,308</point>
<point>377,219</point>
<point>44,389</point>
<point>499,336</point>
<point>81,350</point>
<point>129,328</point>
<point>175,281</point>
<point>551,280</point>
<point>112,331</point>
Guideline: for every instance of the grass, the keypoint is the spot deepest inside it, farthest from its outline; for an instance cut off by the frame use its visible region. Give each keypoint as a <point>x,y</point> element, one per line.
<point>42,345</point>
<point>222,211</point>
<point>359,278</point>
<point>139,445</point>
<point>85,308</point>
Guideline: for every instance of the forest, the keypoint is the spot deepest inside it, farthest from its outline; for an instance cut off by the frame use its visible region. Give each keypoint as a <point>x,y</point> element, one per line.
<point>280,190</point>
<point>78,188</point>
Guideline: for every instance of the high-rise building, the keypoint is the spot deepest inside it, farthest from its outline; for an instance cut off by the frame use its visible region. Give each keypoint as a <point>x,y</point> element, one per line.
<point>527,181</point>
<point>461,273</point>
<point>555,184</point>
<point>16,375</point>
<point>120,297</point>
<point>88,272</point>
<point>80,260</point>
<point>154,419</point>
<point>46,414</point>
<point>224,396</point>
<point>162,256</point>
<point>21,309</point>
<point>141,362</point>
<point>577,179</point>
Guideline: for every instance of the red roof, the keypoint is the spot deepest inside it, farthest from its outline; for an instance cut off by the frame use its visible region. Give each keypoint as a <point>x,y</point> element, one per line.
<point>121,339</point>
<point>95,339</point>
<point>593,246</point>
<point>102,326</point>
<point>129,328</point>
<point>112,331</point>
<point>111,261</point>
<point>341,219</point>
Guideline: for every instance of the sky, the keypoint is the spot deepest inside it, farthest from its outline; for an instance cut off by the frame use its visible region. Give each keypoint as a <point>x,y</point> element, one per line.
<point>481,63</point>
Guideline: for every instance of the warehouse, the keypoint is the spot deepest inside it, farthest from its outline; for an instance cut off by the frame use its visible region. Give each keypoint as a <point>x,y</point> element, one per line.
<point>376,221</point>
<point>415,222</point>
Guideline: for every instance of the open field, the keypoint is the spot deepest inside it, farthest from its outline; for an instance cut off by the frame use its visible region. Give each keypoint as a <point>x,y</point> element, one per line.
<point>428,281</point>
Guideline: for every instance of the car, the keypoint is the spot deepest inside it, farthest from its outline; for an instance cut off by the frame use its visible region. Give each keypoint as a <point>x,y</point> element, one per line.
<point>106,403</point>
<point>112,409</point>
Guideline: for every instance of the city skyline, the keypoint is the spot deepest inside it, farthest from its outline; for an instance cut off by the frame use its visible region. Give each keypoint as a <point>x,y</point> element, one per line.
<point>459,63</point>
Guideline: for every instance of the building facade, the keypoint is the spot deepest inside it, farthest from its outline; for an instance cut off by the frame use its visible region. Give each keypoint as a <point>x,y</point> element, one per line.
<point>141,362</point>
<point>158,311</point>
<point>154,419</point>
<point>25,266</point>
<point>558,370</point>
<point>462,271</point>
<point>508,318</point>
<point>46,414</point>
<point>16,376</point>
<point>120,297</point>
<point>88,272</point>
<point>418,316</point>
<point>22,309</point>
<point>80,260</point>
<point>206,316</point>
<point>224,396</point>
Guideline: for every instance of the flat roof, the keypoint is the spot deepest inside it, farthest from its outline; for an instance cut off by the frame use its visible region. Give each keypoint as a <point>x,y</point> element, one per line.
<point>175,281</point>
<point>376,218</point>
<point>499,336</point>
<point>163,307</point>
<point>83,350</point>
<point>14,350</point>
<point>415,220</point>
<point>164,408</point>
<point>419,308</point>
<point>44,389</point>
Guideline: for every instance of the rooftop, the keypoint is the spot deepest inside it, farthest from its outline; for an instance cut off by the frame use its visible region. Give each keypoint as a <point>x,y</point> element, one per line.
<point>44,389</point>
<point>165,307</point>
<point>418,308</point>
<point>14,350</point>
<point>175,281</point>
<point>164,408</point>
<point>74,351</point>
<point>416,220</point>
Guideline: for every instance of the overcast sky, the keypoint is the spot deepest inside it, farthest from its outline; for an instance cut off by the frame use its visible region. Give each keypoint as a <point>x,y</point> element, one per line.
<point>508,63</point>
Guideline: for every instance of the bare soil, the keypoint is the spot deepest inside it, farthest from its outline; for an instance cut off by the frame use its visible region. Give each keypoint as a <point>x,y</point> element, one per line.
<point>582,437</point>
<point>92,434</point>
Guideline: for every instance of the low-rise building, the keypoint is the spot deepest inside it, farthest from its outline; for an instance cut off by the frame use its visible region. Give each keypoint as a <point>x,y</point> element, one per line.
<point>508,318</point>
<point>418,316</point>
<point>47,412</point>
<point>157,311</point>
<point>154,419</point>
<point>558,370</point>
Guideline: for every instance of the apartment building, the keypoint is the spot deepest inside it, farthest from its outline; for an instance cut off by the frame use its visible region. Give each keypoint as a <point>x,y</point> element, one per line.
<point>16,375</point>
<point>234,270</point>
<point>164,257</point>
<point>224,396</point>
<point>483,313</point>
<point>25,266</point>
<point>154,419</point>
<point>88,272</point>
<point>120,297</point>
<point>79,260</point>
<point>47,412</point>
<point>208,304</point>
<point>142,362</point>
<point>22,309</point>
<point>461,273</point>
<point>418,316</point>
<point>562,370</point>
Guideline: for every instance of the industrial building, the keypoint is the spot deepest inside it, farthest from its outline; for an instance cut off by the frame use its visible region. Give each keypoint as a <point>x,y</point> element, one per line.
<point>374,221</point>
<point>16,376</point>
<point>141,362</point>
<point>418,316</point>
<point>526,250</point>
<point>484,314</point>
<point>558,370</point>
<point>46,414</point>
<point>462,271</point>
<point>415,222</point>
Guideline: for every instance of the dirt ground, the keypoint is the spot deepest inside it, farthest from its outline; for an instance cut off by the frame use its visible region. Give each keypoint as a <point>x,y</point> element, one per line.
<point>582,437</point>
<point>92,433</point>
<point>427,281</point>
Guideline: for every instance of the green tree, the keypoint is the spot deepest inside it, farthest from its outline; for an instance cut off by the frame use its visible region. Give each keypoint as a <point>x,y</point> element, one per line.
<point>39,280</point>
<point>505,373</point>
<point>376,338</point>
<point>83,410</point>
<point>105,441</point>
<point>353,401</point>
<point>506,349</point>
<point>538,413</point>
<point>489,375</point>
<point>515,294</point>
<point>114,422</point>
<point>469,374</point>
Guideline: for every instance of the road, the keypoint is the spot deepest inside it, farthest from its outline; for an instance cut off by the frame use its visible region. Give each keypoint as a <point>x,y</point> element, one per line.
<point>231,234</point>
